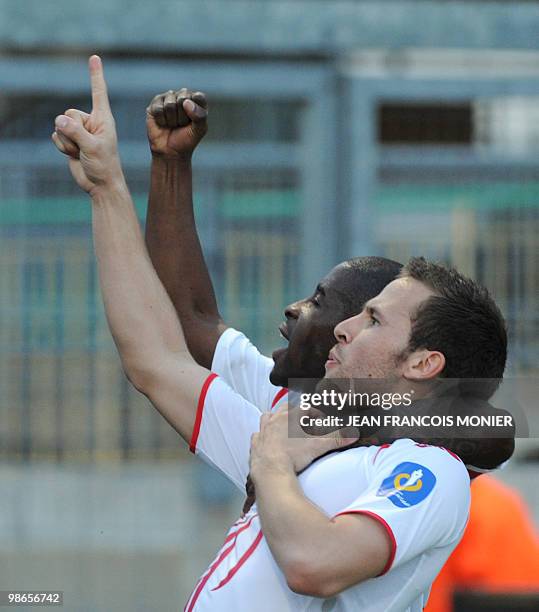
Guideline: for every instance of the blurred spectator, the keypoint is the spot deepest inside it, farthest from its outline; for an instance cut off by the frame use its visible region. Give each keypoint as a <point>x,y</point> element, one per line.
<point>499,552</point>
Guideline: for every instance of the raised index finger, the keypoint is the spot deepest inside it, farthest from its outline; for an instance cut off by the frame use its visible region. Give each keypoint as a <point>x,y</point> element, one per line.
<point>100,98</point>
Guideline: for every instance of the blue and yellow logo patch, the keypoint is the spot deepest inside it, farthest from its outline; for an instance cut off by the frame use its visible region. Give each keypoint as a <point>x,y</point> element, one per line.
<point>407,485</point>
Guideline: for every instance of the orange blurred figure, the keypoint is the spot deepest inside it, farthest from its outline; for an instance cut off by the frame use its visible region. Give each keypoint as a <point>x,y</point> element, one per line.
<point>499,551</point>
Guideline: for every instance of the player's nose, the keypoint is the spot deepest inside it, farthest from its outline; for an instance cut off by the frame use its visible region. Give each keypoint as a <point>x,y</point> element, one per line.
<point>343,331</point>
<point>293,310</point>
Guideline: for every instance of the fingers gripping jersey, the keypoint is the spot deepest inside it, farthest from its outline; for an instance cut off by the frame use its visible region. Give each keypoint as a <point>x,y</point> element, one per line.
<point>246,370</point>
<point>419,493</point>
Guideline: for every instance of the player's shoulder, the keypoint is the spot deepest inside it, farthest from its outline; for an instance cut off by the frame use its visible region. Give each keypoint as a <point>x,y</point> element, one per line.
<point>409,472</point>
<point>442,463</point>
<point>236,344</point>
<point>232,336</point>
<point>235,348</point>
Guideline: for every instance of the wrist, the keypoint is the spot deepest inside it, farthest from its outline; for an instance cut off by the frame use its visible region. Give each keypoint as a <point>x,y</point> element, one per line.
<point>278,466</point>
<point>116,186</point>
<point>172,159</point>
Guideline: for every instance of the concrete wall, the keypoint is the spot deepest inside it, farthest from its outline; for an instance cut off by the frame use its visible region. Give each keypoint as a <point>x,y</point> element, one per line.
<point>126,538</point>
<point>131,537</point>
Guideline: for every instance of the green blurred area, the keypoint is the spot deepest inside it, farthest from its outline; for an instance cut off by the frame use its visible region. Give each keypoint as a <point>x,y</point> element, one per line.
<point>286,203</point>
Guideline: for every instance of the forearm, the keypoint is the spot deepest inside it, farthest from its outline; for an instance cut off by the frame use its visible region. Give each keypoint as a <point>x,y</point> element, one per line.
<point>176,253</point>
<point>297,531</point>
<point>140,315</point>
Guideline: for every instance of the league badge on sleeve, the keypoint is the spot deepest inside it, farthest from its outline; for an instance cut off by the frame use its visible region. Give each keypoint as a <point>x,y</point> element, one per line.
<point>407,485</point>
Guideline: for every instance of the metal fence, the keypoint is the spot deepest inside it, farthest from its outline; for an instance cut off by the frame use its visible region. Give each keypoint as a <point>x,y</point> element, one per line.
<point>280,196</point>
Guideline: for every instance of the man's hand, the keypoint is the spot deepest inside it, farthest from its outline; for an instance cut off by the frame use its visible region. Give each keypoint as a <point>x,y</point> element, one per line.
<point>90,139</point>
<point>281,444</point>
<point>176,122</point>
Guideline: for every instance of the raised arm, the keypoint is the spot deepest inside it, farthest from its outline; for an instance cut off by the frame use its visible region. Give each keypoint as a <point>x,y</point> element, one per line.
<point>140,314</point>
<point>176,122</point>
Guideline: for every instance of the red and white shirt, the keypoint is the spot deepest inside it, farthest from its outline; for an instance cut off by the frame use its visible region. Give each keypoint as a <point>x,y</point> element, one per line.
<point>240,364</point>
<point>419,493</point>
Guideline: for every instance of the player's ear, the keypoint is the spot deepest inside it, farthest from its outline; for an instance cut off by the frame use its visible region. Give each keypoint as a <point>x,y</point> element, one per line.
<point>422,365</point>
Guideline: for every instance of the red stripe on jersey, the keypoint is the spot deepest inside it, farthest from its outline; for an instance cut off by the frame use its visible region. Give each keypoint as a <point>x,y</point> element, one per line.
<point>381,448</point>
<point>389,531</point>
<point>452,453</point>
<point>281,393</point>
<point>200,410</point>
<point>202,581</point>
<point>242,560</point>
<point>224,554</point>
<point>242,528</point>
<point>425,445</point>
<point>241,521</point>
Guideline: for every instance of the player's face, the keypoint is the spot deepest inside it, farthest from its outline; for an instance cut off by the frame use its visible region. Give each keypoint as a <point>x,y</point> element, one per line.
<point>310,323</point>
<point>371,344</point>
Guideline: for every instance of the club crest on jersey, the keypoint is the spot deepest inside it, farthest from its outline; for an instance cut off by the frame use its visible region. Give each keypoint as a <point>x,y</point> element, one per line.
<point>407,485</point>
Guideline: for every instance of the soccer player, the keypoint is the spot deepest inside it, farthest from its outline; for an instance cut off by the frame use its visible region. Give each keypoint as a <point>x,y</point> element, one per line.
<point>367,528</point>
<point>176,122</point>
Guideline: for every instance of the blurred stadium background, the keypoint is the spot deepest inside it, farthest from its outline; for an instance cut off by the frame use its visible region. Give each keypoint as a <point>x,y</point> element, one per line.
<point>337,129</point>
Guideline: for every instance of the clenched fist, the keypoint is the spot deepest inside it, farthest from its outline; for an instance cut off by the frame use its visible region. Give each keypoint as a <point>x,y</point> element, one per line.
<point>176,122</point>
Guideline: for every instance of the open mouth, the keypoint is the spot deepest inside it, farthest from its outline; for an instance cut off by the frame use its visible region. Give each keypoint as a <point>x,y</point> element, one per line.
<point>283,330</point>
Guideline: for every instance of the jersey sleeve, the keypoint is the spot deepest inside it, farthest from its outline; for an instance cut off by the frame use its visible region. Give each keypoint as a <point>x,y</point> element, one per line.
<point>223,427</point>
<point>420,495</point>
<point>239,363</point>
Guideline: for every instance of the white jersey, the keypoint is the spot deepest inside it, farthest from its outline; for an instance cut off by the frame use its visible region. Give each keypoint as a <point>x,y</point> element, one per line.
<point>419,493</point>
<point>246,370</point>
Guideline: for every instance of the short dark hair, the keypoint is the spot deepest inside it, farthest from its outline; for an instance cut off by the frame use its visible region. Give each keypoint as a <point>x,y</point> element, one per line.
<point>463,322</point>
<point>371,274</point>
